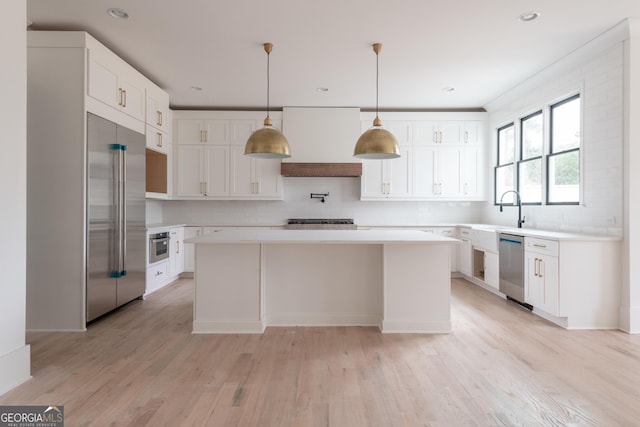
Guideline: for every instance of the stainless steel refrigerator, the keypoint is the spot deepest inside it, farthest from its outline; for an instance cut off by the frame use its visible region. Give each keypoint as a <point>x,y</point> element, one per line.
<point>116,233</point>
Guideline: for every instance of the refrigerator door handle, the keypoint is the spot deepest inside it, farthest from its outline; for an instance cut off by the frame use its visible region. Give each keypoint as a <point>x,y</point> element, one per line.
<point>123,208</point>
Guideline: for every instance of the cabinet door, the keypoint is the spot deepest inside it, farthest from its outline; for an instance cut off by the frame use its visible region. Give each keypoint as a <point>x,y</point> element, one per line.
<point>453,255</point>
<point>189,176</point>
<point>372,185</point>
<point>425,132</point>
<point>548,279</point>
<point>102,81</point>
<point>216,171</point>
<point>473,132</point>
<point>470,176</point>
<point>216,132</point>
<point>133,97</point>
<point>450,132</point>
<point>240,131</point>
<point>176,251</point>
<point>158,113</point>
<point>491,272</point>
<point>531,282</point>
<point>449,163</point>
<point>399,174</point>
<point>189,131</point>
<point>424,172</point>
<point>268,179</point>
<point>242,179</point>
<point>465,258</point>
<point>157,140</point>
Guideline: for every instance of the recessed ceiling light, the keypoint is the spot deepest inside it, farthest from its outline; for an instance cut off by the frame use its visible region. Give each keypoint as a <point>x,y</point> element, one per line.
<point>196,88</point>
<point>529,16</point>
<point>117,13</point>
<point>322,89</point>
<point>448,89</point>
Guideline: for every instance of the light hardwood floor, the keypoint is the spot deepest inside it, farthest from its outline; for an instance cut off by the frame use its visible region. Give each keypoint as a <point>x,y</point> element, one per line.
<point>502,365</point>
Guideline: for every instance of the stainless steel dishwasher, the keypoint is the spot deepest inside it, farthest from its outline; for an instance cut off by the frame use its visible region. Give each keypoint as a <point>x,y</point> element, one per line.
<point>511,267</point>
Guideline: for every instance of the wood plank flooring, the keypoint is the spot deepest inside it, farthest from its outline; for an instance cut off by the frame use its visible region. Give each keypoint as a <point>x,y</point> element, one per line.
<point>501,366</point>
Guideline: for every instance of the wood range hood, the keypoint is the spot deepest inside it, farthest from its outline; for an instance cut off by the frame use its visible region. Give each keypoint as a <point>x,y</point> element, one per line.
<point>342,170</point>
<point>322,141</point>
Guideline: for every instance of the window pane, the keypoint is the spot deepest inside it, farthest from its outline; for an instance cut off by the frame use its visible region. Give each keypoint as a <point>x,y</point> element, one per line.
<point>565,120</point>
<point>530,181</point>
<point>564,177</point>
<point>532,137</point>
<point>504,181</point>
<point>506,145</point>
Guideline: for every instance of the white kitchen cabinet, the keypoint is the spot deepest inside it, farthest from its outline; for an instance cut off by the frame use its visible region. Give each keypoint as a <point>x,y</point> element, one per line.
<point>387,179</point>
<point>437,172</point>
<point>465,256</point>
<point>254,178</point>
<point>541,275</point>
<point>199,131</point>
<point>491,270</point>
<point>157,140</point>
<point>176,251</point>
<point>115,83</point>
<point>202,172</point>
<point>158,112</point>
<point>211,161</point>
<point>157,276</point>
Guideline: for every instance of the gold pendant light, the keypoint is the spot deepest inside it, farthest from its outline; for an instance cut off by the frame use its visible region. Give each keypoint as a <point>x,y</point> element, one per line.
<point>377,143</point>
<point>268,142</point>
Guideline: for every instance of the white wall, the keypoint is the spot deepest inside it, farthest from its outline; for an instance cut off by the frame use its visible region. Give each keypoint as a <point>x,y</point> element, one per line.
<point>14,354</point>
<point>343,202</point>
<point>596,71</point>
<point>630,292</point>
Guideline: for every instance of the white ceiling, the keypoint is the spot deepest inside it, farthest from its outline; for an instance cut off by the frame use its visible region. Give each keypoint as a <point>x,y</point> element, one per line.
<point>479,47</point>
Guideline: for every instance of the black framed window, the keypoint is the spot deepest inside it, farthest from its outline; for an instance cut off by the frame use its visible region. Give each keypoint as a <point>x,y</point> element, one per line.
<point>563,161</point>
<point>504,170</point>
<point>530,163</point>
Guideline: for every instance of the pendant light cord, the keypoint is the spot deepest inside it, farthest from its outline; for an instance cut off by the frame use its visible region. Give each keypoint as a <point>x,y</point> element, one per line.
<point>377,73</point>
<point>268,80</point>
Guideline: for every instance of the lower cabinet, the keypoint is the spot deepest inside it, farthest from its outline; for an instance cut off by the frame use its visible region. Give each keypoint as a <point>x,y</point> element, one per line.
<point>157,276</point>
<point>176,251</point>
<point>465,256</point>
<point>541,275</point>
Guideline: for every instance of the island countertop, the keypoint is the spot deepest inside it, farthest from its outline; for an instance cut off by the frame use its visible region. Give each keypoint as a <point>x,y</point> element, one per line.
<point>322,236</point>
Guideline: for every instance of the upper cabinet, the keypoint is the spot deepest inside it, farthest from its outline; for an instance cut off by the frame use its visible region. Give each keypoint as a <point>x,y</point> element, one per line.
<point>158,112</point>
<point>210,157</point>
<point>115,83</point>
<point>444,158</point>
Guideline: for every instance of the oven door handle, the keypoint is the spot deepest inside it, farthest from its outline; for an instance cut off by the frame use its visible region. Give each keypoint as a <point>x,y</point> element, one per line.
<point>163,239</point>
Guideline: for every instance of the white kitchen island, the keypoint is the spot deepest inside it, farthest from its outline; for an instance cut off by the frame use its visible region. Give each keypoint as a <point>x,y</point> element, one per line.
<point>398,280</point>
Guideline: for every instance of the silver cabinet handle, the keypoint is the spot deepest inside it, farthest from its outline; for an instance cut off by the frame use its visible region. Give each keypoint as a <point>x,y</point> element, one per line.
<point>124,103</point>
<point>159,118</point>
<point>539,246</point>
<point>159,143</point>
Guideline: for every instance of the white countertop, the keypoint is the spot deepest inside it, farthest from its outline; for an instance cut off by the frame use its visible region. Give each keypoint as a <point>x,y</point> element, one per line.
<point>322,236</point>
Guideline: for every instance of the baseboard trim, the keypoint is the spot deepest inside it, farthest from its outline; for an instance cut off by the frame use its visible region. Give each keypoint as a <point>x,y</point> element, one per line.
<point>322,319</point>
<point>228,327</point>
<point>409,327</point>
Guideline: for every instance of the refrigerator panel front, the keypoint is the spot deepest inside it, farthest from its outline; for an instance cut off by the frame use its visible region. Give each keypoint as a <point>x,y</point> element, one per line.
<point>102,214</point>
<point>132,285</point>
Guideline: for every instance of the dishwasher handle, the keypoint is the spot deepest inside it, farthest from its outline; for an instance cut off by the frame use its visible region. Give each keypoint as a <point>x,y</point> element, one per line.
<point>510,241</point>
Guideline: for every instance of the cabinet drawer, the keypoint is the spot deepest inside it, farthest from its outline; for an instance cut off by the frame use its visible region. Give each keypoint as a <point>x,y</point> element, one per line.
<point>541,246</point>
<point>465,233</point>
<point>157,274</point>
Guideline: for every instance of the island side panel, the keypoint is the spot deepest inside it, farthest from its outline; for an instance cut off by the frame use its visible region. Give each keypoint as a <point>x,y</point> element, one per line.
<point>227,289</point>
<point>323,284</point>
<point>417,288</point>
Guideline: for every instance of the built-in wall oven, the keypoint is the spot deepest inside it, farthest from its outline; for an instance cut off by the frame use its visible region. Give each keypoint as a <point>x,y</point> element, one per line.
<point>158,247</point>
